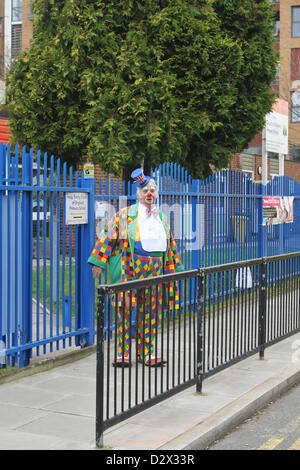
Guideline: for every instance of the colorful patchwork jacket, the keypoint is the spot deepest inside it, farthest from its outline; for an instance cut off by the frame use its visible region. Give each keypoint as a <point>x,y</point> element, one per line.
<point>115,247</point>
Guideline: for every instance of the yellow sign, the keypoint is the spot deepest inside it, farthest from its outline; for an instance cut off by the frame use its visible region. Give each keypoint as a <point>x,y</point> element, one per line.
<point>88,170</point>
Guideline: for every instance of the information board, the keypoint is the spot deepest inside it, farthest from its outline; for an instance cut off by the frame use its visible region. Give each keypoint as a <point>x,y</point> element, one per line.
<point>76,208</point>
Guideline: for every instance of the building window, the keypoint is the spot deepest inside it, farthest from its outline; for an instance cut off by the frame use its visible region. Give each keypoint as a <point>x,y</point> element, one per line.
<point>30,15</point>
<point>277,26</point>
<point>277,31</point>
<point>16,11</point>
<point>295,22</point>
<point>16,40</point>
<point>295,153</point>
<point>273,165</point>
<point>248,173</point>
<point>248,164</point>
<point>295,106</point>
<point>277,77</point>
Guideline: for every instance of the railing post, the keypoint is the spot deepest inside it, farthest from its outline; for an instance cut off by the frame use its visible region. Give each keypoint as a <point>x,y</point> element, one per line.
<point>101,292</point>
<point>200,322</point>
<point>260,233</point>
<point>193,243</point>
<point>87,282</point>
<point>27,235</point>
<point>262,308</point>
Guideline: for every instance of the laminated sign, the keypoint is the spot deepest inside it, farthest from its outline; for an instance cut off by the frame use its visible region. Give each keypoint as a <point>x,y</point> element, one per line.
<point>278,210</point>
<point>88,170</point>
<point>76,208</point>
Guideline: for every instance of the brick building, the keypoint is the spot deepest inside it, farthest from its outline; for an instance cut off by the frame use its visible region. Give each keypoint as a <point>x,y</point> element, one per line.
<point>287,87</point>
<point>16,29</point>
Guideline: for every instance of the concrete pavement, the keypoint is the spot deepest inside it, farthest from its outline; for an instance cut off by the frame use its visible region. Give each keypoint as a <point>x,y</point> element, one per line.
<point>51,404</point>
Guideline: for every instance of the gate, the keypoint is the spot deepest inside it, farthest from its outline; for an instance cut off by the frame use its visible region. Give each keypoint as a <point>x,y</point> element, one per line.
<point>44,246</point>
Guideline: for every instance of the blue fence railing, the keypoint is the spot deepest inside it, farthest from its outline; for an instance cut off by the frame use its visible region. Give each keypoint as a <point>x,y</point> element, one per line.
<point>44,275</point>
<point>43,269</point>
<point>216,221</point>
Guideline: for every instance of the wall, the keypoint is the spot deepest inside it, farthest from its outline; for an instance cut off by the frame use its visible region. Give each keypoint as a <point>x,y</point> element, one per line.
<point>27,26</point>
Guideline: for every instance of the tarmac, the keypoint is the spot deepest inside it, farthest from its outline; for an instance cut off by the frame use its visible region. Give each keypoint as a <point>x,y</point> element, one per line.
<point>51,404</point>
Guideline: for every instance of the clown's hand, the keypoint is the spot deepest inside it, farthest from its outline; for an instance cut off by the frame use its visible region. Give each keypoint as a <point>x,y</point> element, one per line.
<point>97,271</point>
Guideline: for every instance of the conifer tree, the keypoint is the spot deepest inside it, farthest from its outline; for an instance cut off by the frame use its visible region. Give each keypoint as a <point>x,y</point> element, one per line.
<point>132,81</point>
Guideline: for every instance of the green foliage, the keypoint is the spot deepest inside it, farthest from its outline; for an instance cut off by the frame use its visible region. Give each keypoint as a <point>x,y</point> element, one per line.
<point>156,80</point>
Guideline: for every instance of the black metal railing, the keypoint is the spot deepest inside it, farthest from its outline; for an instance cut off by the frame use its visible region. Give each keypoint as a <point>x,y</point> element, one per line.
<point>208,320</point>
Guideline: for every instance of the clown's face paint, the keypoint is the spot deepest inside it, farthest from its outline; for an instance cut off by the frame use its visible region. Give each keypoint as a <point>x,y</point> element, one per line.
<point>148,195</point>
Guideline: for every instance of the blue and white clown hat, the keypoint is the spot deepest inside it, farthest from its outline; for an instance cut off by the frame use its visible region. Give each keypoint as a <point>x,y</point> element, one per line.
<point>139,178</point>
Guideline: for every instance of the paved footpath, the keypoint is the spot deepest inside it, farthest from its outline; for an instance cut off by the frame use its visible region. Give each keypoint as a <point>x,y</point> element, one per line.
<point>51,404</point>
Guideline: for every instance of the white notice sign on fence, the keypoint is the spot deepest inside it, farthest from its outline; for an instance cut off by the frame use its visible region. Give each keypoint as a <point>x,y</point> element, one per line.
<point>76,208</point>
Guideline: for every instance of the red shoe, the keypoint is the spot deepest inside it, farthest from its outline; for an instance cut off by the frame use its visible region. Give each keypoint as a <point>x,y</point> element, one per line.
<point>121,361</point>
<point>153,361</point>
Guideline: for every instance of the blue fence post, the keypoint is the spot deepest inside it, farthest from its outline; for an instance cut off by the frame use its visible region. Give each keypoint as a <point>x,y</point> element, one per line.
<point>261,242</point>
<point>87,282</point>
<point>195,229</point>
<point>2,309</point>
<point>27,234</point>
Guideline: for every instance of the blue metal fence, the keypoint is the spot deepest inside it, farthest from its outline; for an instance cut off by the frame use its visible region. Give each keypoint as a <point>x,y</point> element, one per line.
<point>218,220</point>
<point>47,295</point>
<point>215,222</point>
<point>43,269</point>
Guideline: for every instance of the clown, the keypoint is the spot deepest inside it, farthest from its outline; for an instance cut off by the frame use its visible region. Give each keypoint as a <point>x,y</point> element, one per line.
<point>137,244</point>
